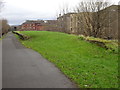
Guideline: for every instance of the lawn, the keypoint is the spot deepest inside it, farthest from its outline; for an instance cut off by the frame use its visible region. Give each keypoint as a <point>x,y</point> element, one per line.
<point>85,63</point>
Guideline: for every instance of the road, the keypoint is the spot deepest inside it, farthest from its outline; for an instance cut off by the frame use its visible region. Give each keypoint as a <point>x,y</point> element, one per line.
<point>25,68</point>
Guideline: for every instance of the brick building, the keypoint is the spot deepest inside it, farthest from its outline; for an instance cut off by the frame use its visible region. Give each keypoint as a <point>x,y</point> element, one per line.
<point>39,25</point>
<point>32,25</point>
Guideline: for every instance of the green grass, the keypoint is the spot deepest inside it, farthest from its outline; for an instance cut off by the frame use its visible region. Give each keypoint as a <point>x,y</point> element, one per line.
<point>1,38</point>
<point>87,64</point>
<point>111,45</point>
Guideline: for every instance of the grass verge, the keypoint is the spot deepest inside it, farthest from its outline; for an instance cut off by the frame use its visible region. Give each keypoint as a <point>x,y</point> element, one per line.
<point>2,37</point>
<point>111,45</point>
<point>87,64</point>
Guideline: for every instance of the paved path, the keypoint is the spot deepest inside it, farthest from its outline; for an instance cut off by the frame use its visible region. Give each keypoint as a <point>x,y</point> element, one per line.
<point>25,68</point>
<point>0,64</point>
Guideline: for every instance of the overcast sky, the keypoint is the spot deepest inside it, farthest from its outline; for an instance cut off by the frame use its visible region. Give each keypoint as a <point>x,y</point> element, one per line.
<point>17,11</point>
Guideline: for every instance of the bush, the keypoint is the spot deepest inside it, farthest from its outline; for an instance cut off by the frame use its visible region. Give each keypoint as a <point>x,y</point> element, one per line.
<point>81,37</point>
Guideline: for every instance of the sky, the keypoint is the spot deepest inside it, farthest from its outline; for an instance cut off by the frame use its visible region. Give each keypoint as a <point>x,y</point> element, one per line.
<point>18,11</point>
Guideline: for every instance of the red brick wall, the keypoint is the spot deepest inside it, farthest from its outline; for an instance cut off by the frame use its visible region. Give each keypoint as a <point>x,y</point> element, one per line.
<point>32,27</point>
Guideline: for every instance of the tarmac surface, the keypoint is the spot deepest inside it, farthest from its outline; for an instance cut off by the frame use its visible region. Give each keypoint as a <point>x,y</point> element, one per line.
<point>25,68</point>
<point>0,64</point>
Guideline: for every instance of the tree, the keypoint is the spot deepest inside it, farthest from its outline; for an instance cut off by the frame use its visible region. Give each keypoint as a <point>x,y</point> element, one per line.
<point>5,26</point>
<point>64,9</point>
<point>1,5</point>
<point>92,17</point>
<point>62,20</point>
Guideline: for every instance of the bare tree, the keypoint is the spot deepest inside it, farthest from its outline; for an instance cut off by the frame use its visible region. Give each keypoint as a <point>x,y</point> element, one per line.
<point>1,4</point>
<point>5,26</point>
<point>64,9</point>
<point>92,17</point>
<point>61,24</point>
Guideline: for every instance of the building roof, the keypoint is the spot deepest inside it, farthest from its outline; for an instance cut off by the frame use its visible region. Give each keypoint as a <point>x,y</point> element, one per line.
<point>42,22</point>
<point>67,14</point>
<point>33,21</point>
<point>112,8</point>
